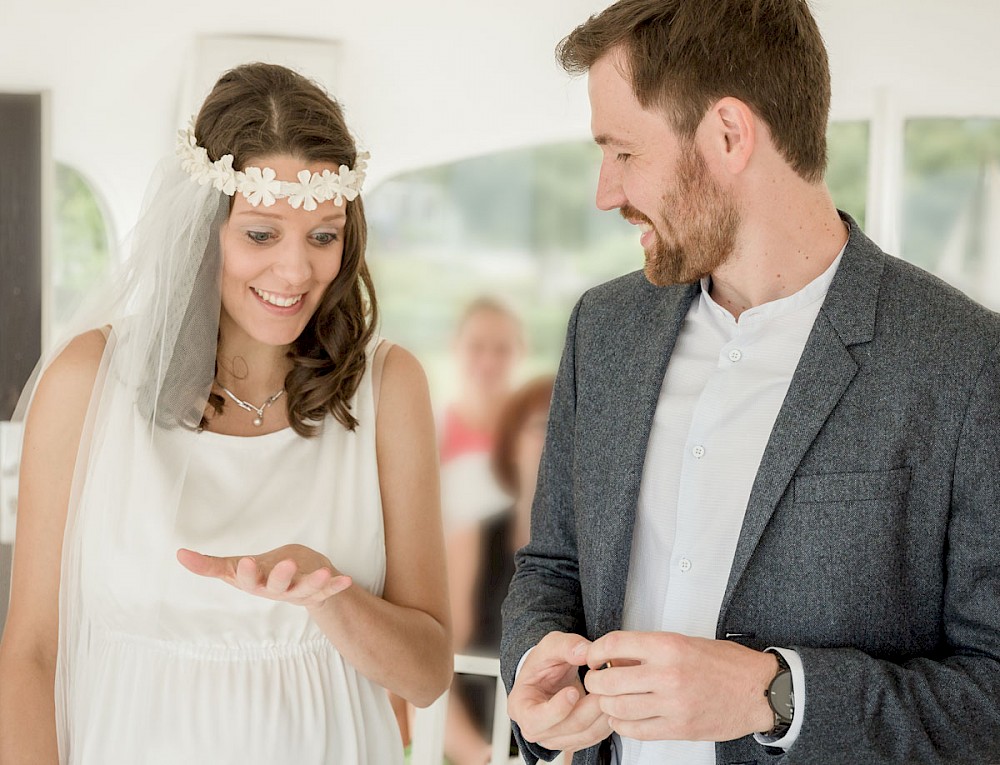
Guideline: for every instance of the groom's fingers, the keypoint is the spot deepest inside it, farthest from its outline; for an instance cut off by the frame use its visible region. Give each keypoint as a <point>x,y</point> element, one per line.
<point>586,725</point>
<point>557,648</point>
<point>542,716</point>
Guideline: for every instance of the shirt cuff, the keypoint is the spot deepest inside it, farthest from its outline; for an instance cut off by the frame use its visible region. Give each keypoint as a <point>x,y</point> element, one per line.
<point>799,689</point>
<point>525,656</point>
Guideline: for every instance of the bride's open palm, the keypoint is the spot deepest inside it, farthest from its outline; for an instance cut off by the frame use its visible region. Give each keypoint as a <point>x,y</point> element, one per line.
<point>291,573</point>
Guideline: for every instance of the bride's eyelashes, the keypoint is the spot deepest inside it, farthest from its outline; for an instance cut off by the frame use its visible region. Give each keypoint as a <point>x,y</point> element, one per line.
<point>259,237</point>
<point>320,238</point>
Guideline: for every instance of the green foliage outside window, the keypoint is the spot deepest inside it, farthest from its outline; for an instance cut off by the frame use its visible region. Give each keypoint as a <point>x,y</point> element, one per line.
<point>847,169</point>
<point>81,253</point>
<point>951,201</point>
<point>520,225</point>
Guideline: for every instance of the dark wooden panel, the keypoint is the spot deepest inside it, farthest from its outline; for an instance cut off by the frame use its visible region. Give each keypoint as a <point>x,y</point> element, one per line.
<point>20,261</point>
<point>20,243</point>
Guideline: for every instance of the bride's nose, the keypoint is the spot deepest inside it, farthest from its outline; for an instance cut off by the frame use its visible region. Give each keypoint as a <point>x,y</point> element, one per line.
<point>292,264</point>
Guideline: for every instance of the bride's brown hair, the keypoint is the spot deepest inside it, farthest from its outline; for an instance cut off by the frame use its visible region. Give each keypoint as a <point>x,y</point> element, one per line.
<point>257,110</point>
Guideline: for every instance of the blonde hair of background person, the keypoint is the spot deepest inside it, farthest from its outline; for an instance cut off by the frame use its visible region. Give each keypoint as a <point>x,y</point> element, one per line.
<point>487,347</point>
<point>320,356</point>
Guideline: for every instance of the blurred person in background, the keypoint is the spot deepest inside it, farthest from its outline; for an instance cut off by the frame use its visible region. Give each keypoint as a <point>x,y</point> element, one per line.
<point>488,347</point>
<point>482,564</point>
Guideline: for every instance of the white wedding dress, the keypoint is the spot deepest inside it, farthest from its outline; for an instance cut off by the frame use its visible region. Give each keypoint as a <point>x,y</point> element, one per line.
<point>175,668</point>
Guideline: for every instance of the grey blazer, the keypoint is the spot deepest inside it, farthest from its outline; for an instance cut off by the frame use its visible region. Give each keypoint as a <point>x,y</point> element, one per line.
<point>871,541</point>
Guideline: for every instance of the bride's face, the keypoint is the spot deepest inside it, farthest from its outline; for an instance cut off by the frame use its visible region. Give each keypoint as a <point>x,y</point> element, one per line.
<point>277,261</point>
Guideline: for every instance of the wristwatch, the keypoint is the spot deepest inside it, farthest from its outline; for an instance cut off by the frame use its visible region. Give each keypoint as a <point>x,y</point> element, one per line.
<point>781,697</point>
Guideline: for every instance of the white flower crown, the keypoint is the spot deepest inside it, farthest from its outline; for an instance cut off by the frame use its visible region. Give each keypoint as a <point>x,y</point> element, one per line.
<point>260,185</point>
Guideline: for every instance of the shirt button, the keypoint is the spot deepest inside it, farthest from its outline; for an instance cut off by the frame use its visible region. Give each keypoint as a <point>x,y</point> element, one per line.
<point>735,355</point>
<point>684,565</point>
<point>698,452</point>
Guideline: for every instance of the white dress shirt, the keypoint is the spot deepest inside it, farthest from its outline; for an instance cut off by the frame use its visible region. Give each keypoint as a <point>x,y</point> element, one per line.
<point>724,385</point>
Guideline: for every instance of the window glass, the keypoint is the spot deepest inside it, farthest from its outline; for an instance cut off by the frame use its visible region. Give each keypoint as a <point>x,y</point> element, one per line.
<point>951,202</point>
<point>847,169</point>
<point>81,254</point>
<point>520,225</point>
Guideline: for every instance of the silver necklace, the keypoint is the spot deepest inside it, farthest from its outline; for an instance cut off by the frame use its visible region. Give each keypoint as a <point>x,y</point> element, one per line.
<point>259,411</point>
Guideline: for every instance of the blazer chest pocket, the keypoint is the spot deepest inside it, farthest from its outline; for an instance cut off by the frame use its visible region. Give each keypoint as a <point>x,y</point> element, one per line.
<point>851,487</point>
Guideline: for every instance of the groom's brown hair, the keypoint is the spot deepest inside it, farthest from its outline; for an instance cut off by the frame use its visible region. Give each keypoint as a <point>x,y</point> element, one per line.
<point>684,55</point>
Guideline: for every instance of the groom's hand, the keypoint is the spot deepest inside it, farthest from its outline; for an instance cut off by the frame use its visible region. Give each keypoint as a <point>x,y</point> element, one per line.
<point>665,686</point>
<point>548,701</point>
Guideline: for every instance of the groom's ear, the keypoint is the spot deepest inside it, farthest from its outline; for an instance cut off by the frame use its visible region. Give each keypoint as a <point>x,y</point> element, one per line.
<point>728,135</point>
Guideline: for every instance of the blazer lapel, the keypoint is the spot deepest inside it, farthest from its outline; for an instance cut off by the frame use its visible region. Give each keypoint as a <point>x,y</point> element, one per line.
<point>639,378</point>
<point>824,372</point>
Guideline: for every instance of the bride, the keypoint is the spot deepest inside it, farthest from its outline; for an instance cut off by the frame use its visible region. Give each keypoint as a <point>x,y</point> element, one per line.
<point>229,537</point>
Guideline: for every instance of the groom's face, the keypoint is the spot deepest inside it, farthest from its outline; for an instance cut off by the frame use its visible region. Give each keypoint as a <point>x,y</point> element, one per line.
<point>659,181</point>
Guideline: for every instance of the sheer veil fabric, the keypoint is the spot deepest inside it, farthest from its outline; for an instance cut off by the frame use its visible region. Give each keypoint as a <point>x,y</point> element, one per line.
<point>160,314</point>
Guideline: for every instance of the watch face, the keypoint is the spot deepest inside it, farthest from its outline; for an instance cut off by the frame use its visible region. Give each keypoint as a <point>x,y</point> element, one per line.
<point>781,697</point>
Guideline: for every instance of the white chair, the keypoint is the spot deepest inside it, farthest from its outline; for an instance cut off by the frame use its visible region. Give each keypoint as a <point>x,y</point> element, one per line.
<point>429,723</point>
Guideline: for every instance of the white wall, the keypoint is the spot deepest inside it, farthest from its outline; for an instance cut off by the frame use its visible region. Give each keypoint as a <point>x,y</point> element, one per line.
<point>431,80</point>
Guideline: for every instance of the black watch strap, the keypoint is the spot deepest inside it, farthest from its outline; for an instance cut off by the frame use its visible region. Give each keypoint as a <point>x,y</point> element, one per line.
<point>781,698</point>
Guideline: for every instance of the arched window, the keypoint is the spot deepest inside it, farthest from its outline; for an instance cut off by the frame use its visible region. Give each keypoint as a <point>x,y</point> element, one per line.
<point>82,245</point>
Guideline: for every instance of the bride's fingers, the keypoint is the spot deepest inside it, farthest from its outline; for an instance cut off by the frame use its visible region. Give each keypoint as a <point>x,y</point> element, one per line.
<point>318,586</point>
<point>308,586</point>
<point>281,577</point>
<point>335,585</point>
<point>205,565</point>
<point>248,574</point>
<point>338,584</point>
<point>282,582</point>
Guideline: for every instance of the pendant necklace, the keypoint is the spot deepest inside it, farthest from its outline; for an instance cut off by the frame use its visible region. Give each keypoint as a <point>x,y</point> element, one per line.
<point>259,411</point>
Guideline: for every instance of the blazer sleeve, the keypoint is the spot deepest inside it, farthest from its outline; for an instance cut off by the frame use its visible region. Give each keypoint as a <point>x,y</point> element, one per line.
<point>545,594</point>
<point>934,709</point>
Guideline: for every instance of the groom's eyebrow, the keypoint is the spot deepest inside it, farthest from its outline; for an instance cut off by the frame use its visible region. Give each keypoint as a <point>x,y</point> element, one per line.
<point>609,140</point>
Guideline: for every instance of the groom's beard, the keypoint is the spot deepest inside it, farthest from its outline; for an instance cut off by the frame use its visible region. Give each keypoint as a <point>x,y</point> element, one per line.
<point>699,224</point>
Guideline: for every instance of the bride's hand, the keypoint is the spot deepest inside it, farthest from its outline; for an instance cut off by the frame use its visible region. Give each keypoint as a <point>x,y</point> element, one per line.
<point>292,573</point>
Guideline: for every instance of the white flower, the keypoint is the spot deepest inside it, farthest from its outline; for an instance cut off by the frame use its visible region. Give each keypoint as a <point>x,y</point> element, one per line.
<point>185,141</point>
<point>307,192</point>
<point>197,164</point>
<point>185,137</point>
<point>328,186</point>
<point>258,185</point>
<point>194,159</point>
<point>350,183</point>
<point>223,176</point>
<point>345,183</point>
<point>361,164</point>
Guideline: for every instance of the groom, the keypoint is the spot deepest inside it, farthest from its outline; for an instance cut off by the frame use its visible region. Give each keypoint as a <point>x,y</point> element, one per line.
<point>768,512</point>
